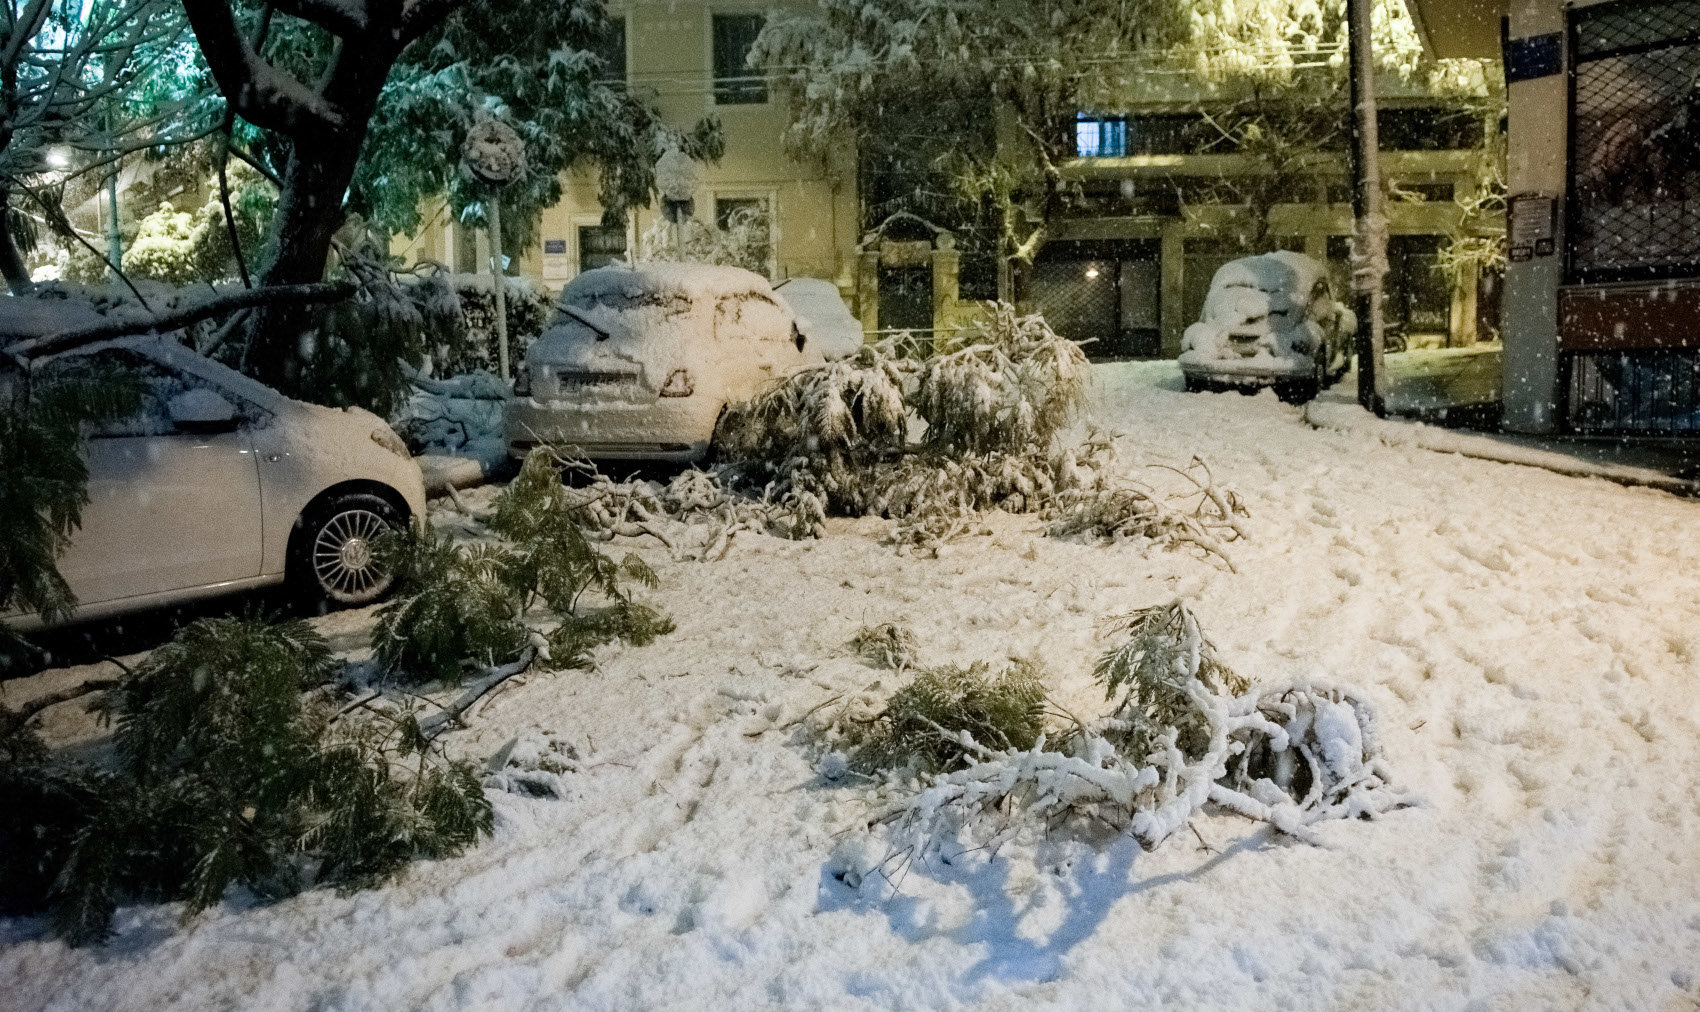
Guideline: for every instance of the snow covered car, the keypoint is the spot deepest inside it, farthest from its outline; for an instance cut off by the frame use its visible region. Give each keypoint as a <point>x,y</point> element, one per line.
<point>1269,320</point>
<point>822,315</point>
<point>219,484</point>
<point>638,362</point>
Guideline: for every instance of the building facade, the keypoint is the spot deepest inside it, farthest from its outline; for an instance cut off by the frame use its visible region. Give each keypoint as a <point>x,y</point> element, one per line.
<point>1601,315</point>
<point>1162,203</point>
<point>689,59</point>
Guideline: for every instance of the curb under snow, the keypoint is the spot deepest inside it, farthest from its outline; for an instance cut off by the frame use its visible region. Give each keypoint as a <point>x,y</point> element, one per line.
<point>1351,418</point>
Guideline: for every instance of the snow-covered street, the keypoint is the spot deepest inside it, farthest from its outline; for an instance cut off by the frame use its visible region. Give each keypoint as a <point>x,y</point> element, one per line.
<point>1531,643</point>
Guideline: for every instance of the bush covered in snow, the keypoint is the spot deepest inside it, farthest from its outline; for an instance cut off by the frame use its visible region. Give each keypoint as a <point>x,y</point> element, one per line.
<point>470,344</point>
<point>227,769</point>
<point>923,725</point>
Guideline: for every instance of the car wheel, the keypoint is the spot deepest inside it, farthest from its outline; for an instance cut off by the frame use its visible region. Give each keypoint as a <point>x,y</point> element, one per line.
<point>1297,391</point>
<point>335,557</point>
<point>1194,385</point>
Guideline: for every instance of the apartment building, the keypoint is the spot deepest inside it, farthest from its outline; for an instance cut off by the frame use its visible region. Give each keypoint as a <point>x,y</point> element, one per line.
<point>1163,198</point>
<point>689,58</point>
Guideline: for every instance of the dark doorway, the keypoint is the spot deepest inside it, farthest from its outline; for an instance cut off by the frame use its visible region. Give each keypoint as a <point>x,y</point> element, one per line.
<point>1105,294</point>
<point>906,300</point>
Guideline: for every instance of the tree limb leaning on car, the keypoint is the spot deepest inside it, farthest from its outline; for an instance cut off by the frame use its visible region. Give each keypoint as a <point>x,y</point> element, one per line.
<point>21,348</point>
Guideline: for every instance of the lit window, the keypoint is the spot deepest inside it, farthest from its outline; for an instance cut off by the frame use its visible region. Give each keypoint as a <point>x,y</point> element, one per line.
<point>1096,137</point>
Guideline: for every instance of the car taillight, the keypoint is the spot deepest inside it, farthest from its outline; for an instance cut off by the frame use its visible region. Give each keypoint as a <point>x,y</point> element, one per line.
<point>679,384</point>
<point>522,382</point>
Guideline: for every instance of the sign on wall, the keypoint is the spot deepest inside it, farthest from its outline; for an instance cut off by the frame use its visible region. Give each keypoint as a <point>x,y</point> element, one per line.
<point>1533,226</point>
<point>557,261</point>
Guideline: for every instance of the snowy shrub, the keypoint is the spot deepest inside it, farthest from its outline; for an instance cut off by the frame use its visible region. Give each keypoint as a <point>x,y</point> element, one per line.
<point>464,605</point>
<point>746,241</point>
<point>469,345</point>
<point>924,724</point>
<point>1178,739</point>
<point>224,772</point>
<point>1203,515</point>
<point>453,608</point>
<point>993,403</point>
<point>1007,384</point>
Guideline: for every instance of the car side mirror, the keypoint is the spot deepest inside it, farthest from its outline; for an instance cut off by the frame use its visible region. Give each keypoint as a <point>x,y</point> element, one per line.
<point>202,412</point>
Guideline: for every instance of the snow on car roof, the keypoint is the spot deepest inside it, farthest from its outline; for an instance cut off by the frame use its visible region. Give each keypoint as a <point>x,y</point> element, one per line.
<point>692,281</point>
<point>822,315</point>
<point>1281,270</point>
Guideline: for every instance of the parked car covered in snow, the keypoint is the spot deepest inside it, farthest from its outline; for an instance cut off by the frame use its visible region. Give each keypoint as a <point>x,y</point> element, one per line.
<point>219,484</point>
<point>639,362</point>
<point>822,315</point>
<point>1269,320</point>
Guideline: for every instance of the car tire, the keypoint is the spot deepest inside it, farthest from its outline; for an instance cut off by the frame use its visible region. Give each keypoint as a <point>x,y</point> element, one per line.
<point>1301,391</point>
<point>1193,384</point>
<point>333,558</point>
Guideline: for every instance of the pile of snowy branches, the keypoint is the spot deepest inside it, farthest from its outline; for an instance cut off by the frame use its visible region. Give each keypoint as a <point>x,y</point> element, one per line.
<point>995,403</point>
<point>1183,732</point>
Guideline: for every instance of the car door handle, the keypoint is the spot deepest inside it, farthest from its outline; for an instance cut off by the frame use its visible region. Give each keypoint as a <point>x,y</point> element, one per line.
<point>272,458</point>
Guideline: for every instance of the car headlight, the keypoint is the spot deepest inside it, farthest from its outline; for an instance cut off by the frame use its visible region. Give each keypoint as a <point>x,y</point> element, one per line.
<point>385,437</point>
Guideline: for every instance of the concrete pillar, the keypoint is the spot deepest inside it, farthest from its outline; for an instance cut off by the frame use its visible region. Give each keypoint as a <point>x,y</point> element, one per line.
<point>947,268</point>
<point>1172,272</point>
<point>868,290</point>
<point>1536,141</point>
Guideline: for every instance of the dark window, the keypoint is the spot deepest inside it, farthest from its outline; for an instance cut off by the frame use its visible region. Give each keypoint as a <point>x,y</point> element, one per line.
<point>735,81</point>
<point>610,49</point>
<point>1427,128</point>
<point>600,245</point>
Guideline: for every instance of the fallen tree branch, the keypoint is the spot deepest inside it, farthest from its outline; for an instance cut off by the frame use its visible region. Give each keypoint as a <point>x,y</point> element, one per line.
<point>40,703</point>
<point>177,319</point>
<point>437,723</point>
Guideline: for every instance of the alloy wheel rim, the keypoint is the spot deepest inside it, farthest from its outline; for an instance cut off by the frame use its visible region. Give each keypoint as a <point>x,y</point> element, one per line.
<point>343,556</point>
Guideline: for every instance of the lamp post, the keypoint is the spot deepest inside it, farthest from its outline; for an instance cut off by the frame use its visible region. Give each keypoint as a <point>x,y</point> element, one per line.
<point>494,154</point>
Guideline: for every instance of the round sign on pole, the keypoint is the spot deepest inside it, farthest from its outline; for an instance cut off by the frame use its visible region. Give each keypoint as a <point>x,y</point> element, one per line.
<point>493,153</point>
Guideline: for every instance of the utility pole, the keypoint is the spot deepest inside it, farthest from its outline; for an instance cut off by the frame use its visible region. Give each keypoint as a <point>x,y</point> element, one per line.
<point>1369,261</point>
<point>497,269</point>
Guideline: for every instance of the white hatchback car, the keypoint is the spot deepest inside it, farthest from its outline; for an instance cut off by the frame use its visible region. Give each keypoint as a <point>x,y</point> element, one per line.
<point>220,484</point>
<point>639,362</point>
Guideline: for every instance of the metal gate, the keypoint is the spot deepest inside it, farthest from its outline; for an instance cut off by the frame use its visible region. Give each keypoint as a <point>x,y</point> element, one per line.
<point>1632,353</point>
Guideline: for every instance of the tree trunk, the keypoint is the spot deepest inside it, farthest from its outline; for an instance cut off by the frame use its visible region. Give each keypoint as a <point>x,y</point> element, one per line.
<point>309,211</point>
<point>12,266</point>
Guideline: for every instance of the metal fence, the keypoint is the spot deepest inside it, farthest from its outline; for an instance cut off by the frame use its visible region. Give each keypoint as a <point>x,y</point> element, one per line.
<point>1633,213</point>
<point>1635,141</point>
<point>1635,393</point>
